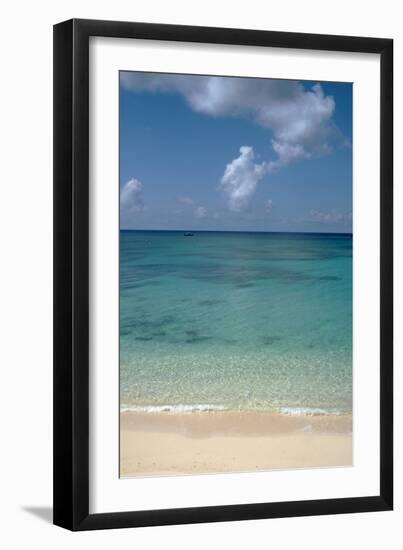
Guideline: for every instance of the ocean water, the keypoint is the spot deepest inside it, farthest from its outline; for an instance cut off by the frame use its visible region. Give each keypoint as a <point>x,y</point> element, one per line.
<point>237,321</point>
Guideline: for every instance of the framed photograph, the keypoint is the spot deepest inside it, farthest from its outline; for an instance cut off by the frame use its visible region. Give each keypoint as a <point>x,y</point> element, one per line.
<point>223,278</point>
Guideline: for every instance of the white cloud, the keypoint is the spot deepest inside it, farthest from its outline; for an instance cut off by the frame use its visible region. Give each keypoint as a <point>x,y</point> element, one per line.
<point>299,119</point>
<point>269,206</point>
<point>131,197</point>
<point>296,116</point>
<point>240,179</point>
<point>200,212</point>
<point>286,152</point>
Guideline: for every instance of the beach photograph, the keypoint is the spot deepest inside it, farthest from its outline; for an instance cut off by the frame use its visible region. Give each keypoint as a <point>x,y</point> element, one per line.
<point>236,264</point>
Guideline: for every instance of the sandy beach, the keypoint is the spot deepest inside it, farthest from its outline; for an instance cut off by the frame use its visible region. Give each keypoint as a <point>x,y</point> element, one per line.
<point>207,442</point>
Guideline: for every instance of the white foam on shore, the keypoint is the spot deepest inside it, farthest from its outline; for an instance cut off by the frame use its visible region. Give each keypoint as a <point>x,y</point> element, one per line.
<point>306,411</point>
<point>208,407</point>
<point>197,407</point>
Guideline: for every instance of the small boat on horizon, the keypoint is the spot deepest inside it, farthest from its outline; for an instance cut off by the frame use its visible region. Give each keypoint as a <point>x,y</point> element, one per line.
<point>188,234</point>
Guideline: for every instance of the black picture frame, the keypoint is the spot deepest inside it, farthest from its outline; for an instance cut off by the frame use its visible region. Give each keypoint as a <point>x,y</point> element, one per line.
<point>71,274</point>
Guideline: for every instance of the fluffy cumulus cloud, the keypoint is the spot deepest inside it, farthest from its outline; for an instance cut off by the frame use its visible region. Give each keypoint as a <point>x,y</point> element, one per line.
<point>131,197</point>
<point>240,179</point>
<point>299,119</point>
<point>295,115</point>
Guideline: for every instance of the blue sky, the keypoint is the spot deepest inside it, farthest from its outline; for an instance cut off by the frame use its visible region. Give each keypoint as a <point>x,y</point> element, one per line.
<point>234,154</point>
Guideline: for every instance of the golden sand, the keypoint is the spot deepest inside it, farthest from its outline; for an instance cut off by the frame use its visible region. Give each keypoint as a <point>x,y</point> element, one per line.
<point>167,443</point>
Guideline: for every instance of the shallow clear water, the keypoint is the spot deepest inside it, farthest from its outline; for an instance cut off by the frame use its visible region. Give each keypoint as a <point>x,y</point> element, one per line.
<point>236,321</point>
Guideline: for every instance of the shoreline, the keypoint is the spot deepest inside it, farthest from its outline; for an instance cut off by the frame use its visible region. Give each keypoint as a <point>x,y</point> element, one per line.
<point>172,443</point>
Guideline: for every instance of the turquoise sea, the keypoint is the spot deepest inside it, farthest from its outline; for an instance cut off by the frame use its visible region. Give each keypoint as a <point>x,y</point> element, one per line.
<point>238,321</point>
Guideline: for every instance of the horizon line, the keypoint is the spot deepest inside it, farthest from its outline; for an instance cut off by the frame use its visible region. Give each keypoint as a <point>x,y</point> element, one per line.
<point>240,231</point>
